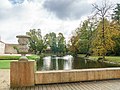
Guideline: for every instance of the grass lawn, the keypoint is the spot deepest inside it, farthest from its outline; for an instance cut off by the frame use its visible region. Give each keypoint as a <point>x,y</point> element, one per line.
<point>109,58</point>
<point>5,64</point>
<point>17,57</point>
<point>5,60</point>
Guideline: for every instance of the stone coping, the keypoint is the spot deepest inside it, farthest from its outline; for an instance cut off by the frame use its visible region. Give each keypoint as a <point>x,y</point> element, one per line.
<point>78,70</point>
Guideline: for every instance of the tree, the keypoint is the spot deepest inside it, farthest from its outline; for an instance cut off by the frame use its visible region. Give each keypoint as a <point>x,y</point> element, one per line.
<point>116,14</point>
<point>102,12</point>
<point>73,45</point>
<point>81,40</point>
<point>56,43</point>
<point>116,37</point>
<point>61,43</point>
<point>85,35</point>
<point>110,31</point>
<point>36,44</point>
<point>51,41</point>
<point>116,18</point>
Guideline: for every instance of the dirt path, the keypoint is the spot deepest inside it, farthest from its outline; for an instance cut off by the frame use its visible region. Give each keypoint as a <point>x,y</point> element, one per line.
<point>4,79</point>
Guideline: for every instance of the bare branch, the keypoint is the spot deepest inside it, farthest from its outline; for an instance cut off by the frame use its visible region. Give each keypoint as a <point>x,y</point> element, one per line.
<point>103,10</point>
<point>96,7</point>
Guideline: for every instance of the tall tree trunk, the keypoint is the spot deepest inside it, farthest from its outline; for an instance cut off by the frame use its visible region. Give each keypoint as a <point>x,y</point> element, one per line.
<point>103,36</point>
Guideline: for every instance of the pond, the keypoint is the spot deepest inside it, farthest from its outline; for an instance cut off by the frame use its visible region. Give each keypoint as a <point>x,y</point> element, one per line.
<point>68,63</point>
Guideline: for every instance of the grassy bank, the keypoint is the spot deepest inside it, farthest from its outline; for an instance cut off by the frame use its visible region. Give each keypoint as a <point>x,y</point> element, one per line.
<point>5,64</point>
<point>17,57</point>
<point>115,59</point>
<point>5,60</point>
<point>109,58</point>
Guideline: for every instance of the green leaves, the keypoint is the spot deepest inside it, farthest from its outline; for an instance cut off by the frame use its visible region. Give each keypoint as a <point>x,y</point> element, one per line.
<point>116,13</point>
<point>36,44</point>
<point>56,43</point>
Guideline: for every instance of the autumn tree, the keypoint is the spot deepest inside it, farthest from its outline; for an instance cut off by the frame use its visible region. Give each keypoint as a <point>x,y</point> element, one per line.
<point>110,31</point>
<point>73,45</point>
<point>116,38</point>
<point>80,42</point>
<point>102,13</point>
<point>116,19</point>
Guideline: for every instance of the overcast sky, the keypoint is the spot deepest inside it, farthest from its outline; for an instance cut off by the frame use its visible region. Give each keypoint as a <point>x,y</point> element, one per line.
<point>19,16</point>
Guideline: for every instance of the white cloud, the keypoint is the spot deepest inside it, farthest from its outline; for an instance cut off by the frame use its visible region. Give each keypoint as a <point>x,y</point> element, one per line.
<point>19,18</point>
<point>91,1</point>
<point>5,4</point>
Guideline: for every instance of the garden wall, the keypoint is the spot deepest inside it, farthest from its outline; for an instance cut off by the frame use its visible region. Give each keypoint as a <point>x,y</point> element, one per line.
<point>22,73</point>
<point>46,77</point>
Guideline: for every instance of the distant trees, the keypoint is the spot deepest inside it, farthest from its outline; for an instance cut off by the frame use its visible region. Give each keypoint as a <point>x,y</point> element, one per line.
<point>73,45</point>
<point>98,35</point>
<point>38,44</point>
<point>116,18</point>
<point>61,43</point>
<point>101,37</point>
<point>116,13</point>
<point>56,43</point>
<point>80,42</point>
<point>51,41</point>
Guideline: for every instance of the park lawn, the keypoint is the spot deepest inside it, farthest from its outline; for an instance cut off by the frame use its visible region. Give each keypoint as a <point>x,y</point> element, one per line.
<point>5,64</point>
<point>17,57</point>
<point>109,58</point>
<point>5,60</point>
<point>113,58</point>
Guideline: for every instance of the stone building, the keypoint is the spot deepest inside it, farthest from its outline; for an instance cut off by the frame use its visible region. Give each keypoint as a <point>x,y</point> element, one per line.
<point>8,48</point>
<point>2,47</point>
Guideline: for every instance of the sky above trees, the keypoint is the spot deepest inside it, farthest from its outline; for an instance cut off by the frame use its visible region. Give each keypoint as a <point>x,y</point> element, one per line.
<point>19,16</point>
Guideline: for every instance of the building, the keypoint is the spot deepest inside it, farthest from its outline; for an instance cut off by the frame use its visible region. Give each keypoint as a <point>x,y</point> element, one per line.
<point>8,48</point>
<point>2,47</point>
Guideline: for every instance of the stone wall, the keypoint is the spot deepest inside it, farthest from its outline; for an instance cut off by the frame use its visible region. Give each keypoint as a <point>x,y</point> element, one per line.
<point>9,48</point>
<point>2,47</point>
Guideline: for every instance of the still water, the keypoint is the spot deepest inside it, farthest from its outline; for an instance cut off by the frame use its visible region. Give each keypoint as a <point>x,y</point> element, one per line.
<point>67,63</point>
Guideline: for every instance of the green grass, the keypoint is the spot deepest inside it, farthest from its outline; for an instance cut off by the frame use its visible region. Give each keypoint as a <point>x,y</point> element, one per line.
<point>33,57</point>
<point>17,57</point>
<point>5,64</point>
<point>109,58</point>
<point>113,58</point>
<point>5,60</point>
<point>9,57</point>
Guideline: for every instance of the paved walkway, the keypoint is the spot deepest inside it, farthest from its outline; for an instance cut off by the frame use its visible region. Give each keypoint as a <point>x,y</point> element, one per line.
<point>93,85</point>
<point>99,85</point>
<point>4,79</point>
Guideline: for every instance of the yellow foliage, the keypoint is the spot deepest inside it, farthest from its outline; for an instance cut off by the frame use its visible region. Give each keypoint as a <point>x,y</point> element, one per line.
<point>100,47</point>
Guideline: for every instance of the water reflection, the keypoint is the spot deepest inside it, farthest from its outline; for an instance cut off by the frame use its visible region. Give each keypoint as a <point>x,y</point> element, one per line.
<point>67,63</point>
<point>46,63</point>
